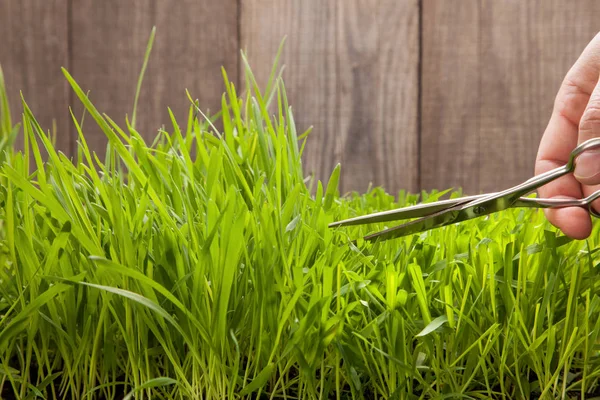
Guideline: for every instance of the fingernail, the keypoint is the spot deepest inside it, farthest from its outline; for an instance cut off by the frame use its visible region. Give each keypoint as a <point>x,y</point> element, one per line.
<point>587,165</point>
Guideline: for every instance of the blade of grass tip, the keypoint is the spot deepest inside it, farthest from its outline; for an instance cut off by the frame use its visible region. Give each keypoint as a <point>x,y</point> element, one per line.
<point>182,148</point>
<point>54,132</point>
<point>9,222</point>
<point>35,149</point>
<point>304,137</point>
<point>208,120</point>
<point>332,188</point>
<point>416,276</point>
<point>433,325</point>
<point>270,87</point>
<point>272,79</point>
<point>152,383</point>
<point>5,121</point>
<point>113,139</point>
<point>53,154</point>
<point>296,161</point>
<point>87,154</point>
<point>82,119</point>
<point>234,102</point>
<point>249,75</point>
<point>141,77</point>
<point>263,108</point>
<point>264,139</point>
<point>276,85</point>
<point>260,380</point>
<point>226,117</point>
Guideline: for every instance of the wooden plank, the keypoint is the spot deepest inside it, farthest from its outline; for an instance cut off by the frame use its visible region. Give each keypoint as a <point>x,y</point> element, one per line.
<point>377,74</point>
<point>510,123</point>
<point>527,48</point>
<point>193,40</point>
<point>399,52</point>
<point>34,48</point>
<point>352,74</point>
<point>450,95</point>
<point>491,71</point>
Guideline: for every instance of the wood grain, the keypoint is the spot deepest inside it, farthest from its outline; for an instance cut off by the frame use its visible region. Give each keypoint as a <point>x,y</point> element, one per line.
<point>527,48</point>
<point>34,48</point>
<point>193,40</point>
<point>491,71</point>
<point>450,95</point>
<point>341,58</point>
<point>399,59</point>
<point>378,45</point>
<point>488,75</point>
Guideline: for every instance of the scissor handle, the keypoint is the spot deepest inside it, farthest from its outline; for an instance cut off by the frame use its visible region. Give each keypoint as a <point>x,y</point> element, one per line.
<point>535,182</point>
<point>590,144</point>
<point>586,203</point>
<point>591,209</point>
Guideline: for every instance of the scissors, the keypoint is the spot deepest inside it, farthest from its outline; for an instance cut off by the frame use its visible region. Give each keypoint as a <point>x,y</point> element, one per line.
<point>441,213</point>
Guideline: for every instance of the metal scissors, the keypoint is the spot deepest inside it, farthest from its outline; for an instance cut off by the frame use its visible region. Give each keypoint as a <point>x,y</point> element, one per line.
<point>441,213</point>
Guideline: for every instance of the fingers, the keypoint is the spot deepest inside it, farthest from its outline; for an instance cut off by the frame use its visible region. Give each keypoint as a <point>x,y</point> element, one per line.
<point>559,139</point>
<point>574,222</point>
<point>562,135</point>
<point>587,167</point>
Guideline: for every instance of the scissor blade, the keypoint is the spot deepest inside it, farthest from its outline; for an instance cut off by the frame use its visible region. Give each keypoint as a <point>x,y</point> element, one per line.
<point>483,205</point>
<point>416,211</point>
<point>441,218</point>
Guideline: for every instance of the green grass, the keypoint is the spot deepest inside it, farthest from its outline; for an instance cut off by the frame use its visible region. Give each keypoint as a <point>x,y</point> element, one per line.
<point>201,266</point>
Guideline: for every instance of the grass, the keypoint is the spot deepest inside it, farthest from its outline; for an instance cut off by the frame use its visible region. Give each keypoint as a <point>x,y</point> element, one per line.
<point>200,266</point>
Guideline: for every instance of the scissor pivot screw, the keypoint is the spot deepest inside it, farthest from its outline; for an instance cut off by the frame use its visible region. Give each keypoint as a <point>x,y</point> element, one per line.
<point>479,210</point>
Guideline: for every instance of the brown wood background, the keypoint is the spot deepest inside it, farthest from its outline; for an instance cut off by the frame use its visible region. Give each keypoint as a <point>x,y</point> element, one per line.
<point>406,94</point>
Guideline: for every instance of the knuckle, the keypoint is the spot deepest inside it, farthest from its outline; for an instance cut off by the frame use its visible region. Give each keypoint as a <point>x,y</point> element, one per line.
<point>590,120</point>
<point>592,112</point>
<point>571,101</point>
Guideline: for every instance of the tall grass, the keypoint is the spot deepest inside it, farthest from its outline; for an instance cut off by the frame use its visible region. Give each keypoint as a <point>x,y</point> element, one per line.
<point>200,266</point>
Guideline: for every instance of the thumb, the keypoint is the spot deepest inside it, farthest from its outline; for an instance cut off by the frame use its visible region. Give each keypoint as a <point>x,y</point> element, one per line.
<point>587,165</point>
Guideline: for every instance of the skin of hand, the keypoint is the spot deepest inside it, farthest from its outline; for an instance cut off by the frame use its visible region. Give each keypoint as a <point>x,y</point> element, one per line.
<point>575,118</point>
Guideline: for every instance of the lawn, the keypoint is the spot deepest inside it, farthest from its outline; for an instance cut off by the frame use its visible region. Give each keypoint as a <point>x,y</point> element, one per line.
<point>201,266</point>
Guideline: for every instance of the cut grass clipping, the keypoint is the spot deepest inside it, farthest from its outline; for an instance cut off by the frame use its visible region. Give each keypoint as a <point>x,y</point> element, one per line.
<point>200,266</point>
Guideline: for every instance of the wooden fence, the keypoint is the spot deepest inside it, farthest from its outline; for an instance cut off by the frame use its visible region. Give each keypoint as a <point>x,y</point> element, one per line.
<point>407,94</point>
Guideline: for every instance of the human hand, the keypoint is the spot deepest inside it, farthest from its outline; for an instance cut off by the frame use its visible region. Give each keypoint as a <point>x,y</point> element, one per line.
<point>575,119</point>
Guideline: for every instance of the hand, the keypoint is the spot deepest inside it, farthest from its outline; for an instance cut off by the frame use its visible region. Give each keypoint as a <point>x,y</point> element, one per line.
<point>575,119</point>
